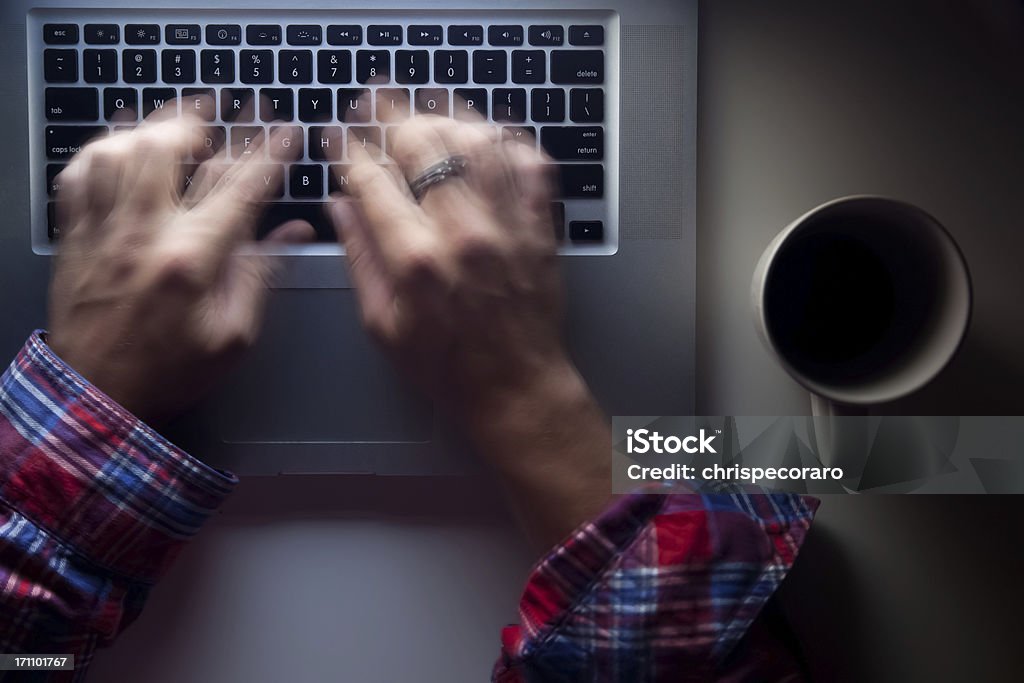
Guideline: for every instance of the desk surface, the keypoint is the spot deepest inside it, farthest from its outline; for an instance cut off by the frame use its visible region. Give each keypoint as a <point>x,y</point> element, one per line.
<point>800,101</point>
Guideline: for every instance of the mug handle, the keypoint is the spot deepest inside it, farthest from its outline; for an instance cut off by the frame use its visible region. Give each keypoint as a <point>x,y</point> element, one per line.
<point>841,434</point>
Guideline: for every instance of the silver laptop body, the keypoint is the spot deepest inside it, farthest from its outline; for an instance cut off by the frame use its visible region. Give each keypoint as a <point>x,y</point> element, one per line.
<point>315,396</point>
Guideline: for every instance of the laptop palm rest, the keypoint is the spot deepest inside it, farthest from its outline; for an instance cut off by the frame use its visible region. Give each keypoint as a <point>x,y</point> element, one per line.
<point>316,377</point>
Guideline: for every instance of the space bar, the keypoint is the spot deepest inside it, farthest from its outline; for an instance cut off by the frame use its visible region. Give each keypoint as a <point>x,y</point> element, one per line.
<point>281,212</point>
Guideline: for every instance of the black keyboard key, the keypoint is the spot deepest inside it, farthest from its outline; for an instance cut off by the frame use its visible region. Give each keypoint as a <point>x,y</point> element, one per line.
<point>277,104</point>
<point>586,35</point>
<point>315,105</point>
<point>141,34</point>
<point>326,143</point>
<point>470,103</point>
<point>296,66</point>
<point>509,105</point>
<point>64,142</point>
<point>60,34</point>
<point>53,227</point>
<point>288,146</point>
<point>558,219</point>
<point>490,66</point>
<point>505,36</point>
<point>278,213</point>
<point>334,66</point>
<point>217,66</point>
<point>305,34</point>
<point>392,104</point>
<point>179,66</point>
<point>199,101</point>
<point>577,66</point>
<point>586,231</point>
<point>373,65</point>
<point>238,105</point>
<point>337,178</point>
<point>54,184</point>
<point>426,35</point>
<point>60,66</point>
<point>99,66</point>
<point>72,104</point>
<point>344,34</point>
<point>182,34</point>
<point>307,181</point>
<point>465,35</point>
<point>586,105</point>
<point>526,135</point>
<point>213,140</point>
<point>224,34</point>
<point>263,34</point>
<point>154,99</point>
<point>367,137</point>
<point>573,143</point>
<point>432,101</point>
<point>412,66</point>
<point>451,66</point>
<point>529,66</point>
<point>543,36</point>
<point>354,105</point>
<point>256,66</point>
<point>389,34</point>
<point>581,181</point>
<point>122,103</point>
<point>139,66</point>
<point>246,141</point>
<point>102,34</point>
<point>273,178</point>
<point>547,105</point>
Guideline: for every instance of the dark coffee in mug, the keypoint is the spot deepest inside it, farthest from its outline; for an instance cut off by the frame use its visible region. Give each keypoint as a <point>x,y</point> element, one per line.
<point>863,294</point>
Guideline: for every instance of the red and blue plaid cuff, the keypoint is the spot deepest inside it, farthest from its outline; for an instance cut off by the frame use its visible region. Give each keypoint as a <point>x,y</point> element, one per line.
<point>78,465</point>
<point>658,585</point>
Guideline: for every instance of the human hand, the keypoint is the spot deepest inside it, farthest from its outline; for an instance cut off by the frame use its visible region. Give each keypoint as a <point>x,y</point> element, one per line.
<point>462,289</point>
<point>150,300</point>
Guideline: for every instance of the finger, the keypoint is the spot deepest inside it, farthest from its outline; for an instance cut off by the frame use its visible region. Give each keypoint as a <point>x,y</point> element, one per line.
<point>373,289</point>
<point>534,182</point>
<point>92,182</point>
<point>292,232</point>
<point>153,170</point>
<point>229,213</point>
<point>395,221</point>
<point>239,302</point>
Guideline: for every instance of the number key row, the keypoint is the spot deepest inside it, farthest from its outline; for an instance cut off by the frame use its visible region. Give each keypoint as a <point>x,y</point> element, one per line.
<point>217,66</point>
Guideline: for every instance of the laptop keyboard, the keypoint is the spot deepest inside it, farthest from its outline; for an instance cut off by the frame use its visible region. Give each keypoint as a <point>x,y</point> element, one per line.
<point>342,79</point>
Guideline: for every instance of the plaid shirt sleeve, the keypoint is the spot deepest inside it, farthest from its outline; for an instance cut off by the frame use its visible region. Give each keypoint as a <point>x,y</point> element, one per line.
<point>662,588</point>
<point>94,506</point>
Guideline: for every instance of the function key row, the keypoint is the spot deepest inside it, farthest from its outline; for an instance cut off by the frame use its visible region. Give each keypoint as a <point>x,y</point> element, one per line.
<point>335,34</point>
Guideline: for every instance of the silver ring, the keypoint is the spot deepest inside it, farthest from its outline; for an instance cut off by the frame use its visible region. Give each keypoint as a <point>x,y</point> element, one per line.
<point>451,167</point>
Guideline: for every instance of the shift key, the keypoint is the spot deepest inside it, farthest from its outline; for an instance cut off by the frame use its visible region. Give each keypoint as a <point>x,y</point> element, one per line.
<point>582,181</point>
<point>64,142</point>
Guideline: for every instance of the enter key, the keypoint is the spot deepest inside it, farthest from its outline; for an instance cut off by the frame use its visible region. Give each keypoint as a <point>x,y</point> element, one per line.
<point>573,143</point>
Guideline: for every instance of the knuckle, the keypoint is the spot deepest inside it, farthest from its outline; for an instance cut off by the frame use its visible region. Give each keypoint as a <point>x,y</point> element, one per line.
<point>419,265</point>
<point>476,249</point>
<point>179,266</point>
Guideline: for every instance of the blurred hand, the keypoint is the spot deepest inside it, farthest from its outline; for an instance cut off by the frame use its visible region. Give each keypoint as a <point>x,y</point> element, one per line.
<point>462,289</point>
<point>149,300</point>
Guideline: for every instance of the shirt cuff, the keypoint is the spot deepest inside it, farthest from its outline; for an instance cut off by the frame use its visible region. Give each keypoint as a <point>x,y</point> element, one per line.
<point>680,577</point>
<point>79,465</point>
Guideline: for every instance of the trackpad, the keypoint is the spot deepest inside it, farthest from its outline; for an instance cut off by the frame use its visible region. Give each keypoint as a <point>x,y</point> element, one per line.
<point>315,376</point>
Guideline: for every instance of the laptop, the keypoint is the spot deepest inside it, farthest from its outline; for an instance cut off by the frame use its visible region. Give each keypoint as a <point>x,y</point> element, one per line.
<point>607,89</point>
